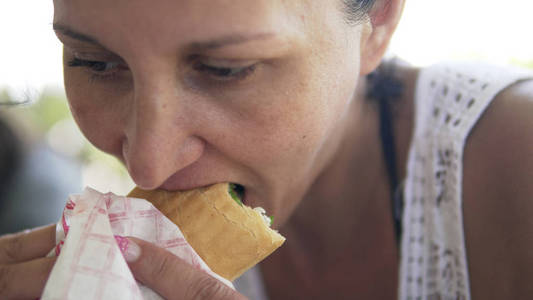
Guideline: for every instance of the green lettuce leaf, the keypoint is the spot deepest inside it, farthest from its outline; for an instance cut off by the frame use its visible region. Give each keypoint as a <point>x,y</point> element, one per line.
<point>234,194</point>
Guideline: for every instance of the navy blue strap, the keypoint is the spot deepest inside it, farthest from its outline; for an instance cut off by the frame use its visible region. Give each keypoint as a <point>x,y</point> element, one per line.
<point>384,88</point>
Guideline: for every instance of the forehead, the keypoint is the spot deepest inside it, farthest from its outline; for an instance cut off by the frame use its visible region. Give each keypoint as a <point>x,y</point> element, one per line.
<point>161,20</point>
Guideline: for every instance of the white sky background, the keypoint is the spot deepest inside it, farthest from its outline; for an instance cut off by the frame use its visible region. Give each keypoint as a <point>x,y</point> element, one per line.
<point>493,30</point>
<point>431,31</point>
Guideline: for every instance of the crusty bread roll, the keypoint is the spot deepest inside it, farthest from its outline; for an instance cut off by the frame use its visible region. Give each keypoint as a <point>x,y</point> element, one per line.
<point>229,236</point>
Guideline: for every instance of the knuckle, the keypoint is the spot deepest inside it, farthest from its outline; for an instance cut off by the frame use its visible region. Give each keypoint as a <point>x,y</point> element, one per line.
<point>12,246</point>
<point>208,287</point>
<point>160,266</point>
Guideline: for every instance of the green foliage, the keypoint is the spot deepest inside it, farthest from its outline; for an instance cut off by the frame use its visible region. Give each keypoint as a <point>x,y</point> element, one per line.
<point>4,97</point>
<point>523,63</point>
<point>43,110</point>
<point>50,108</point>
<point>47,109</point>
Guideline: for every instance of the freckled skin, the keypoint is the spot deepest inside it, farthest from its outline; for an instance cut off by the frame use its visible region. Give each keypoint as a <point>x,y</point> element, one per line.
<point>278,132</point>
<point>251,133</point>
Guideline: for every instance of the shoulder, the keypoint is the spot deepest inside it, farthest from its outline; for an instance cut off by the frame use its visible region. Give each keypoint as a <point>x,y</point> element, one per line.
<point>502,140</point>
<point>498,196</point>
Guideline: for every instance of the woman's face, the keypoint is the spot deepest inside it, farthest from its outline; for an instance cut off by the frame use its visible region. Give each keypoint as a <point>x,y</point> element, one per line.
<point>188,93</point>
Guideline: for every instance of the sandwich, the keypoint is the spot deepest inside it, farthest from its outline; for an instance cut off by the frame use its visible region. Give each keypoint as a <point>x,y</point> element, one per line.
<point>228,235</point>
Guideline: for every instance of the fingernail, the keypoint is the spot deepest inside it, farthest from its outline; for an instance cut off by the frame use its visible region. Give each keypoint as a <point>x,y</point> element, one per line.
<point>130,250</point>
<point>122,243</point>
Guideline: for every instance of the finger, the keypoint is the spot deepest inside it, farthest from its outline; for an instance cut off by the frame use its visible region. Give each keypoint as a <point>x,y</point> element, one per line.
<point>172,277</point>
<point>27,245</point>
<point>25,280</point>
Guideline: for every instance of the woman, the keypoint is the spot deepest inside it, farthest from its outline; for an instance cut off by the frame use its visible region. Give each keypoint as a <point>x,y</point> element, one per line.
<point>271,95</point>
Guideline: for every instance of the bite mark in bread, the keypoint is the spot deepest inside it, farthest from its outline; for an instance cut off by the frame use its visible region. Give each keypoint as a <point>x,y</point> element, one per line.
<point>229,236</point>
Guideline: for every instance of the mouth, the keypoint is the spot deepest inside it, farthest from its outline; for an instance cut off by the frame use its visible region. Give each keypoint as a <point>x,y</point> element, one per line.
<point>237,192</point>
<point>190,179</point>
<point>240,193</point>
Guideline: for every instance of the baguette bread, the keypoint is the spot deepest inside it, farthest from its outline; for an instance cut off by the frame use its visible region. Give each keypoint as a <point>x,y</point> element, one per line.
<point>229,236</point>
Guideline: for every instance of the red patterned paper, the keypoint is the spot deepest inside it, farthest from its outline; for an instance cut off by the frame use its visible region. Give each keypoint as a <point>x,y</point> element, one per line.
<point>89,236</point>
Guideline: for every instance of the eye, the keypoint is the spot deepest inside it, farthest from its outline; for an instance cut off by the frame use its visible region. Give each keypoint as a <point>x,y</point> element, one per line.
<point>100,68</point>
<point>225,73</point>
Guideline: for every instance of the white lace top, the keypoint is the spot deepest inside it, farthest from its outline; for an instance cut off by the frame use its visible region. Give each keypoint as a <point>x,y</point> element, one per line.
<point>450,98</point>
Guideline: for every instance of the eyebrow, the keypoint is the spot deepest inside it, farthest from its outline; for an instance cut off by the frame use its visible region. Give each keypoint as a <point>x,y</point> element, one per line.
<point>197,46</point>
<point>75,35</point>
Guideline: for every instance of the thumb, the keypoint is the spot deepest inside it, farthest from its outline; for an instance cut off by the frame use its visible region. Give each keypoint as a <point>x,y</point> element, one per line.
<point>170,276</point>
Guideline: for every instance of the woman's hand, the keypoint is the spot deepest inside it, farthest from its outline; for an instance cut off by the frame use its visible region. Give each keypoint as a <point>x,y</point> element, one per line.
<point>172,277</point>
<point>23,267</point>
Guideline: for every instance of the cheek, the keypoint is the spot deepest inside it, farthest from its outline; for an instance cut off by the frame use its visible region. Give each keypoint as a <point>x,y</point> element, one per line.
<point>290,139</point>
<point>98,112</point>
<point>303,109</point>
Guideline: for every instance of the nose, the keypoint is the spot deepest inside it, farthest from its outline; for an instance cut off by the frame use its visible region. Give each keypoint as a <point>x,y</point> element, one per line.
<point>160,138</point>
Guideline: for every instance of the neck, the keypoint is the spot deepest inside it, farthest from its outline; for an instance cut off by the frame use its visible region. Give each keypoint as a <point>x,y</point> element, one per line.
<point>350,200</point>
<point>348,205</point>
<point>343,228</point>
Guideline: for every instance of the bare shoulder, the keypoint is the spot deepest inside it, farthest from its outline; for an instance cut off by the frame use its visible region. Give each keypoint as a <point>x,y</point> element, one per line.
<point>498,197</point>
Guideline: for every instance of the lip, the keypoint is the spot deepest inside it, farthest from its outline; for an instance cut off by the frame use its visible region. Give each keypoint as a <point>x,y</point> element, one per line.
<point>185,185</point>
<point>182,185</point>
<point>193,178</point>
<point>171,186</point>
<point>178,183</point>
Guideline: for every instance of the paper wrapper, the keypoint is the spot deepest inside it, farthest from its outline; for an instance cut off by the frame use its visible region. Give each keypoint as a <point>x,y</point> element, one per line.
<point>90,264</point>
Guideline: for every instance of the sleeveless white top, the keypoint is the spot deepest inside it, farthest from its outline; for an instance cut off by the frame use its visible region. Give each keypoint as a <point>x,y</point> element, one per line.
<point>450,98</point>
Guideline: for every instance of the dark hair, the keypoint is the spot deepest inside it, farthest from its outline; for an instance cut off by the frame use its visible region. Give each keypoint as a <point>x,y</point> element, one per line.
<point>356,10</point>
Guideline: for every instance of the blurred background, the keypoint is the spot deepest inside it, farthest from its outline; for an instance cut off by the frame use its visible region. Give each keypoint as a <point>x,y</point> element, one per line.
<point>44,157</point>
